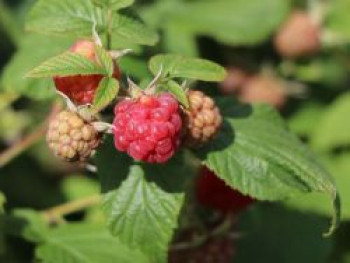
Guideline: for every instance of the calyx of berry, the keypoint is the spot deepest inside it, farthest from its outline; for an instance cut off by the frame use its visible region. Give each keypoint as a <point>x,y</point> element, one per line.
<point>84,111</point>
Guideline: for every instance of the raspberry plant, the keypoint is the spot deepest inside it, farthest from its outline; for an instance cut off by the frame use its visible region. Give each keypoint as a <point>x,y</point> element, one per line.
<point>156,131</point>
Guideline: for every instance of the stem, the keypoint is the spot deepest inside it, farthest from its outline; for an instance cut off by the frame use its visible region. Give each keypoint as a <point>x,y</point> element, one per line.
<point>200,240</point>
<point>21,146</point>
<point>9,24</point>
<point>56,213</point>
<point>109,28</point>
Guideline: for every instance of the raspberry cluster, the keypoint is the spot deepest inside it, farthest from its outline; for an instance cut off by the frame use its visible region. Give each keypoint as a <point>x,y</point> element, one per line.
<point>71,138</point>
<point>148,127</point>
<point>81,88</point>
<point>202,120</point>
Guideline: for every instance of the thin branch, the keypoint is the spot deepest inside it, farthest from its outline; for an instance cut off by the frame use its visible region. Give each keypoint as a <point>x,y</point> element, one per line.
<point>202,239</point>
<point>55,214</point>
<point>22,145</point>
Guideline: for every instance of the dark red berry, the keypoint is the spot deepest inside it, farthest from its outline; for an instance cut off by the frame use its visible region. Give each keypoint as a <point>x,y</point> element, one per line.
<point>148,128</point>
<point>299,36</point>
<point>212,192</point>
<point>81,89</point>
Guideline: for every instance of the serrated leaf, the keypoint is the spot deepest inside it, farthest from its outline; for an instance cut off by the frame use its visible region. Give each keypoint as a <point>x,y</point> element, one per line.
<point>131,30</point>
<point>77,18</point>
<point>333,127</point>
<point>256,154</point>
<point>105,60</point>
<point>85,243</point>
<point>106,92</point>
<point>339,166</point>
<point>113,4</point>
<point>66,64</point>
<point>184,67</point>
<point>65,17</point>
<point>142,215</point>
<point>26,58</point>
<point>179,93</point>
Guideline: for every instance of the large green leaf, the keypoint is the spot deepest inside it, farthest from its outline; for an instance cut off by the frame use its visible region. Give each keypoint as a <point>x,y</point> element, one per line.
<point>66,64</point>
<point>143,215</point>
<point>131,30</point>
<point>77,18</point>
<point>256,154</point>
<point>76,243</point>
<point>85,243</point>
<point>333,128</point>
<point>113,4</point>
<point>29,55</point>
<point>237,22</point>
<point>185,67</point>
<point>316,203</point>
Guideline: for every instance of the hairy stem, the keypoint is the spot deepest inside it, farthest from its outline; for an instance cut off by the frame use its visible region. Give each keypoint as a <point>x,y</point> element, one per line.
<point>55,214</point>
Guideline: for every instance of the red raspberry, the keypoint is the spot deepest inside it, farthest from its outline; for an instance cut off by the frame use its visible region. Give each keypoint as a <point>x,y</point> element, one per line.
<point>81,88</point>
<point>214,193</point>
<point>148,128</point>
<point>299,36</point>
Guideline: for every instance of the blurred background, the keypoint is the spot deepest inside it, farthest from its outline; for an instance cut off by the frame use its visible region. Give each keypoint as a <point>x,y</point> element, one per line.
<point>294,55</point>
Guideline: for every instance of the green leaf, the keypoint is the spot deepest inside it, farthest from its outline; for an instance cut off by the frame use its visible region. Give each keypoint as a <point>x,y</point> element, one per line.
<point>142,215</point>
<point>184,67</point>
<point>175,89</point>
<point>332,129</point>
<point>113,4</point>
<point>85,243</point>
<point>338,19</point>
<point>131,30</point>
<point>233,22</point>
<point>105,60</point>
<point>106,92</point>
<point>77,18</point>
<point>66,64</point>
<point>256,154</point>
<point>65,17</point>
<point>26,58</point>
<point>316,203</point>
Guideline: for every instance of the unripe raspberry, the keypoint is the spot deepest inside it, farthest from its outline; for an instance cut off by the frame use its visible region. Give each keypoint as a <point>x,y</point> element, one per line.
<point>213,192</point>
<point>81,88</point>
<point>299,36</point>
<point>71,138</point>
<point>148,127</point>
<point>202,120</point>
<point>264,89</point>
